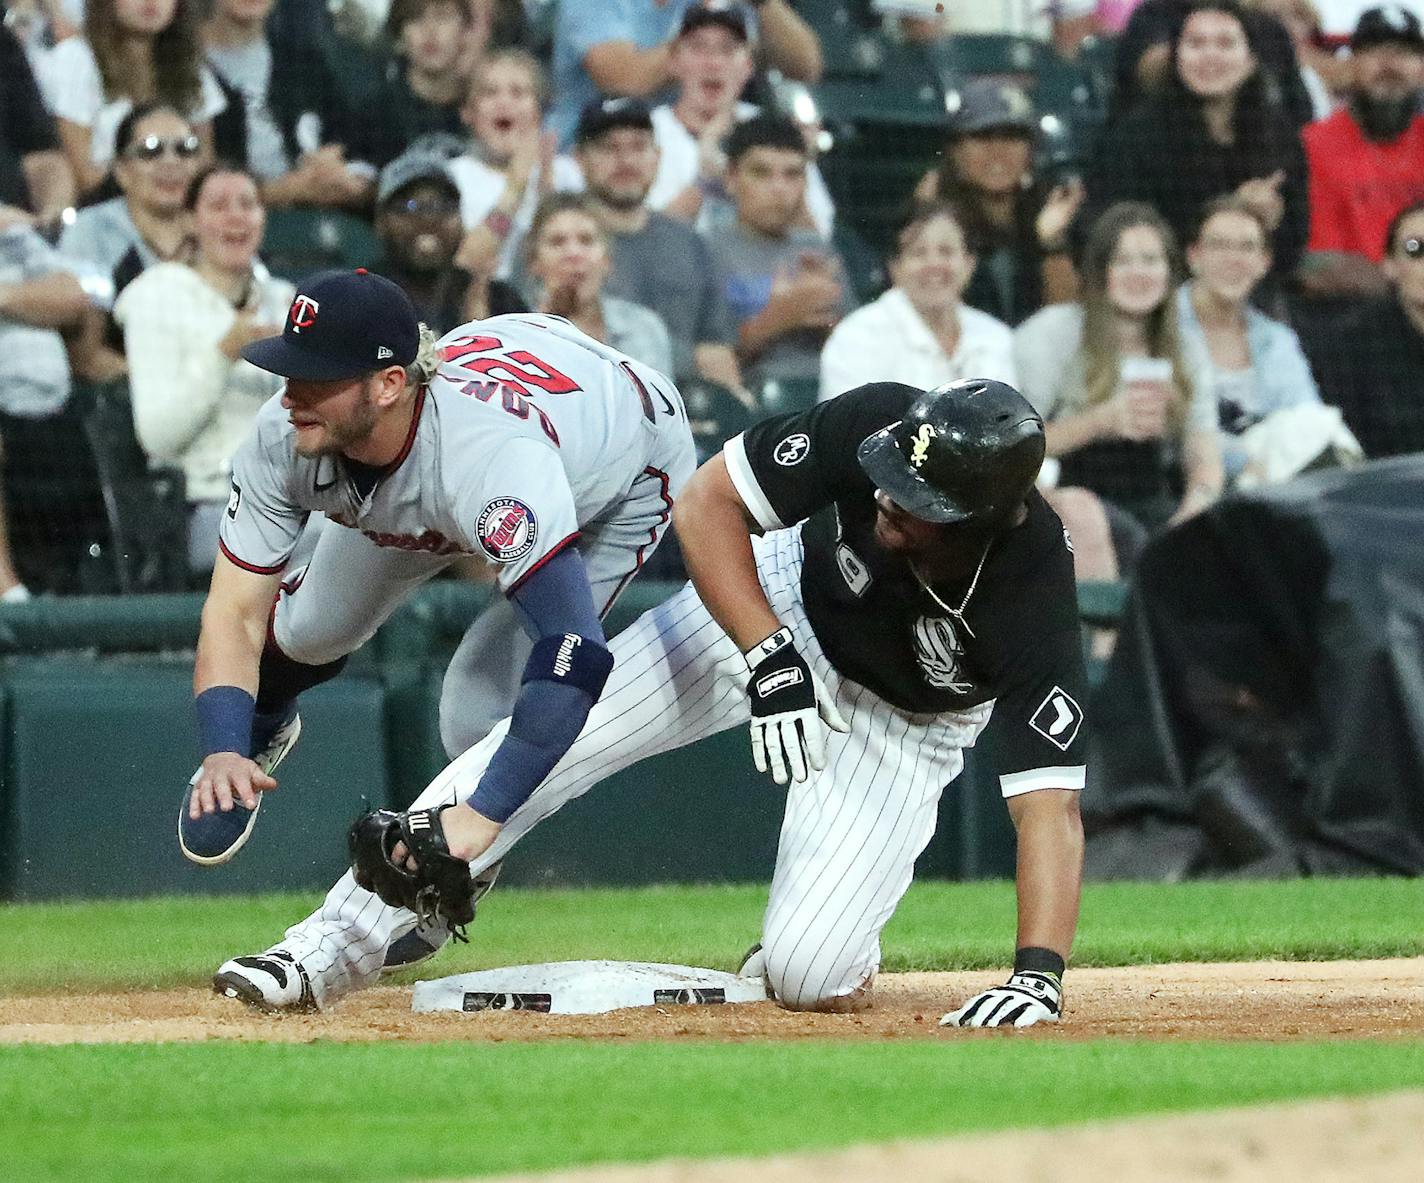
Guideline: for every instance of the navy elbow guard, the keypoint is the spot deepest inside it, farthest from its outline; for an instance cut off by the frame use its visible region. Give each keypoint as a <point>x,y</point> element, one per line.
<point>570,660</point>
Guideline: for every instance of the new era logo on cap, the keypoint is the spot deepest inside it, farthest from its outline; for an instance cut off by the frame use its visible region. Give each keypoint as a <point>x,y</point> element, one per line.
<point>334,324</point>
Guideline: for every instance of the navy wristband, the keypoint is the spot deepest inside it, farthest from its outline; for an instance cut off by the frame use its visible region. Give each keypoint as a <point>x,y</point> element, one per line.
<point>225,720</point>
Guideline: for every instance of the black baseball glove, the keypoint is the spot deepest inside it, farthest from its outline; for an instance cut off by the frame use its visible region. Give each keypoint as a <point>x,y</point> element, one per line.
<point>440,886</point>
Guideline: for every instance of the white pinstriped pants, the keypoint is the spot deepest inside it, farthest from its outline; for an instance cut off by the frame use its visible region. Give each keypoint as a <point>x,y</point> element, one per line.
<point>850,835</point>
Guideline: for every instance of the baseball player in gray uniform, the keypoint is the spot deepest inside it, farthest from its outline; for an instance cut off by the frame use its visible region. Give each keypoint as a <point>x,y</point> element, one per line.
<point>870,580</point>
<point>517,439</point>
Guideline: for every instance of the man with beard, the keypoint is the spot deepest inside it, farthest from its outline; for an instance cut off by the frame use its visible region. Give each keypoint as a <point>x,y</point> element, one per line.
<point>1367,160</point>
<point>658,261</point>
<point>418,223</point>
<point>515,439</point>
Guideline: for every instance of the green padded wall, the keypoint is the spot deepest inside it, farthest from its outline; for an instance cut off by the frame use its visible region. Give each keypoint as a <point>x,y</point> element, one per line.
<point>99,752</point>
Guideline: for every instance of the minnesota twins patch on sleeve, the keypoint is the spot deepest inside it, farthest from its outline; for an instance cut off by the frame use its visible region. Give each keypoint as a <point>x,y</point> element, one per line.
<point>507,529</point>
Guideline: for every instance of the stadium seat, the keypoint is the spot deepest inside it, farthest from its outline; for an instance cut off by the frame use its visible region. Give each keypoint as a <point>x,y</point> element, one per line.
<point>300,241</point>
<point>146,507</point>
<point>785,396</point>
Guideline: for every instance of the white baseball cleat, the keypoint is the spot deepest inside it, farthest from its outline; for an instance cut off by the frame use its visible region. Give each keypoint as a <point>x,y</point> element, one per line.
<point>274,982</point>
<point>215,837</point>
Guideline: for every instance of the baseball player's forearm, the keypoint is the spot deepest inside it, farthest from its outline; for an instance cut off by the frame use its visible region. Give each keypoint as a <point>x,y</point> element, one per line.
<point>715,531</point>
<point>234,628</point>
<point>1050,868</point>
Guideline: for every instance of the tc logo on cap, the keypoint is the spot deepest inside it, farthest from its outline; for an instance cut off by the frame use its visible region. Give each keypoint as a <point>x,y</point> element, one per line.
<point>304,310</point>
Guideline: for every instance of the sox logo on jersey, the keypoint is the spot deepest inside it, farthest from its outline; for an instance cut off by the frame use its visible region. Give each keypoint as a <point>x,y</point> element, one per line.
<point>938,649</point>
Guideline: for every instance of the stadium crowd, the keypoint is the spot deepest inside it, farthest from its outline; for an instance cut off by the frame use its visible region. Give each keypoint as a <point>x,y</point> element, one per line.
<point>1221,285</point>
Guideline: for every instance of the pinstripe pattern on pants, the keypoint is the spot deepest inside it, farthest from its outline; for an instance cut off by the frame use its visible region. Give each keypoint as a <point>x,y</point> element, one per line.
<point>850,835</point>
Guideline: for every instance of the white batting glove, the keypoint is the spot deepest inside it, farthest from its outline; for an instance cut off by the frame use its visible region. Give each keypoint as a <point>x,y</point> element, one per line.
<point>1027,998</point>
<point>790,711</point>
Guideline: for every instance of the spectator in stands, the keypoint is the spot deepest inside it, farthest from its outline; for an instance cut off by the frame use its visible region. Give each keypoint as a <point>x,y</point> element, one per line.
<point>495,23</point>
<point>1367,160</point>
<point>1213,131</point>
<point>510,164</point>
<point>1145,54</point>
<point>569,257</point>
<point>623,47</point>
<point>658,262</point>
<point>1371,364</point>
<point>1322,74</point>
<point>39,24</point>
<point>36,183</point>
<point>425,81</point>
<point>919,332</point>
<point>1128,406</point>
<point>158,154</point>
<point>418,224</point>
<point>40,294</point>
<point>185,324</point>
<point>296,130</point>
<point>131,52</point>
<point>1016,227</point>
<point>1255,364</point>
<point>710,63</point>
<point>786,288</point>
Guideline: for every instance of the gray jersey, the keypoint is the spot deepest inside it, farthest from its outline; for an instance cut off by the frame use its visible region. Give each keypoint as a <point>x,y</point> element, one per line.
<point>529,432</point>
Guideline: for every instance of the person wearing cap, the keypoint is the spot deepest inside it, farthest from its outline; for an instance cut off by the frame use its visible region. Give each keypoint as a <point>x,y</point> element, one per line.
<point>518,440</point>
<point>658,262</point>
<point>184,328</point>
<point>418,225</point>
<point>871,581</point>
<point>1015,225</point>
<point>1366,160</point>
<point>710,63</point>
<point>623,47</point>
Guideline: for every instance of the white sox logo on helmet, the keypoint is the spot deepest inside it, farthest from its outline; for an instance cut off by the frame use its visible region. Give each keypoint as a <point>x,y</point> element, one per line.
<point>303,314</point>
<point>507,529</point>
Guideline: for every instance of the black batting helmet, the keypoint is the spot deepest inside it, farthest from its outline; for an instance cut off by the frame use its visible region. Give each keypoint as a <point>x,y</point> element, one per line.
<point>967,451</point>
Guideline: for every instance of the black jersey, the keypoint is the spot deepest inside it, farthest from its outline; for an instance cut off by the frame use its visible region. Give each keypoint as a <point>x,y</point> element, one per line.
<point>1017,640</point>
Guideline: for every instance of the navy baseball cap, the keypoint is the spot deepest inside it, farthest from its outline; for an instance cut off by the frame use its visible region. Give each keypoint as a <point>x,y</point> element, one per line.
<point>724,13</point>
<point>342,324</point>
<point>603,115</point>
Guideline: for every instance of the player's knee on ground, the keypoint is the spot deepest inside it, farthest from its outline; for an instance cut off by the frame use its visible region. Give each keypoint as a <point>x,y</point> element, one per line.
<point>799,983</point>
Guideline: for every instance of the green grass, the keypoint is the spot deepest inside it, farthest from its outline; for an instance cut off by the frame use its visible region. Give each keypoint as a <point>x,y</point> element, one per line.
<point>91,946</point>
<point>356,1112</point>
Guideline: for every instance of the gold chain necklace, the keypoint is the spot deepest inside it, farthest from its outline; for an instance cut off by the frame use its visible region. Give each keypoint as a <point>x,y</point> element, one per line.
<point>957,613</point>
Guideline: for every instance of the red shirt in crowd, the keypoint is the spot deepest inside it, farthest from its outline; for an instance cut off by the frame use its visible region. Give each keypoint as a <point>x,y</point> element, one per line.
<point>1357,185</point>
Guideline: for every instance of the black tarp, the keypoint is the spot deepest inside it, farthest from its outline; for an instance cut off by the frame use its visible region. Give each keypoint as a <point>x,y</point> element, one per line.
<point>1263,713</point>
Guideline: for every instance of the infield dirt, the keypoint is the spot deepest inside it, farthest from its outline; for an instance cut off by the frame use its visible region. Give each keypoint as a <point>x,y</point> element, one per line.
<point>1269,1000</point>
<point>1367,1140</point>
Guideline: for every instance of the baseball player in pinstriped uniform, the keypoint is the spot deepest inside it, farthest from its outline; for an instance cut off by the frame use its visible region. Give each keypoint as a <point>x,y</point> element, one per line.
<point>870,580</point>
<point>518,439</point>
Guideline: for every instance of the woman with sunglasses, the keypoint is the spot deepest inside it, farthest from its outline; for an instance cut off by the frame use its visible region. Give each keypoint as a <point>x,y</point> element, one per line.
<point>132,52</point>
<point>158,153</point>
<point>185,324</point>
